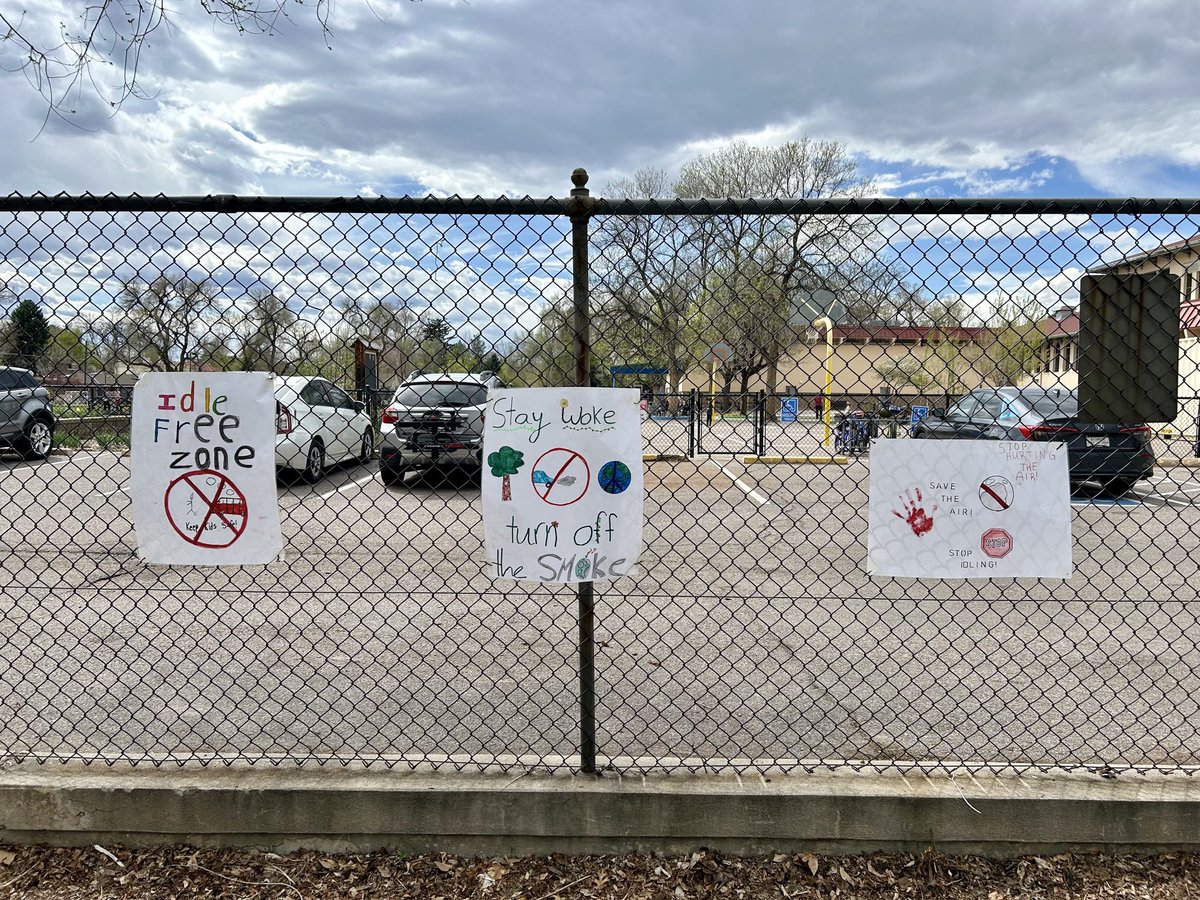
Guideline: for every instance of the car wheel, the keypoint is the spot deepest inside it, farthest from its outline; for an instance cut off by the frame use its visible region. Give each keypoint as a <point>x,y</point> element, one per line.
<point>39,439</point>
<point>314,463</point>
<point>367,450</point>
<point>392,476</point>
<point>1119,487</point>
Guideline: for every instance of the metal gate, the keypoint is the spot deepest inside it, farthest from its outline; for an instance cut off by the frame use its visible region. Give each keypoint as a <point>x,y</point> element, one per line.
<point>730,424</point>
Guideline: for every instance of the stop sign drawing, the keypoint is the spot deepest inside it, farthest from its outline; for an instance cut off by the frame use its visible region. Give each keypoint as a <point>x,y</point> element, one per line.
<point>996,543</point>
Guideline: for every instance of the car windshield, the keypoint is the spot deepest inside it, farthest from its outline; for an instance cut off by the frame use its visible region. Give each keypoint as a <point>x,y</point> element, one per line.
<point>441,393</point>
<point>1053,406</point>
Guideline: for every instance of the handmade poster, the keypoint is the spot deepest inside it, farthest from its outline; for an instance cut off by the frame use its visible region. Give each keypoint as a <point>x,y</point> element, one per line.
<point>202,468</point>
<point>969,509</point>
<point>562,483</point>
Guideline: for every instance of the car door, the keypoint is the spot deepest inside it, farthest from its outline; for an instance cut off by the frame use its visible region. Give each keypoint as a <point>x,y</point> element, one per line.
<point>10,404</point>
<point>342,416</point>
<point>961,421</point>
<point>992,407</point>
<point>314,414</point>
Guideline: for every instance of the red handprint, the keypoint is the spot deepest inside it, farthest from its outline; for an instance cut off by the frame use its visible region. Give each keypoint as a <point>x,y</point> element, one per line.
<point>915,515</point>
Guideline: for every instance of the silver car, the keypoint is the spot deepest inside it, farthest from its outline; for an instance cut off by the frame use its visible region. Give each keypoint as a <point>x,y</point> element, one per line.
<point>26,422</point>
<point>434,420</point>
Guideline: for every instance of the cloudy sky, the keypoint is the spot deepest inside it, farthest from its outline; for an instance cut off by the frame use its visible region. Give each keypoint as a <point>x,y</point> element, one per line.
<point>938,98</point>
<point>932,97</point>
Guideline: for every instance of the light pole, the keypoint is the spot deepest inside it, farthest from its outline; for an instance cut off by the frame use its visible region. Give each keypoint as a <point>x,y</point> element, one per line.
<point>826,323</point>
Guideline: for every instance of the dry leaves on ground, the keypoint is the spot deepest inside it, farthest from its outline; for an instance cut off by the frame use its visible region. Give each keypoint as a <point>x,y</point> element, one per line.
<point>177,873</point>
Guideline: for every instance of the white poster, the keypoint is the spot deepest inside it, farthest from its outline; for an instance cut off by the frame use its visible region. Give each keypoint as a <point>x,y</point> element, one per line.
<point>202,468</point>
<point>562,483</point>
<point>969,509</point>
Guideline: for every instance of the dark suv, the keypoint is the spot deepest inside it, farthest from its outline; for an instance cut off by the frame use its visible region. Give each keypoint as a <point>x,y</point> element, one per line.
<point>1115,456</point>
<point>26,422</point>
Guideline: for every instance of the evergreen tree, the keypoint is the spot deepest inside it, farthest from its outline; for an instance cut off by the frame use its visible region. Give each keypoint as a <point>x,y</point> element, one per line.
<point>29,334</point>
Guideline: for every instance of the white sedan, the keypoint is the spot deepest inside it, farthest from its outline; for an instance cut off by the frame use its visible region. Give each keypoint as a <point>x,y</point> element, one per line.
<point>318,424</point>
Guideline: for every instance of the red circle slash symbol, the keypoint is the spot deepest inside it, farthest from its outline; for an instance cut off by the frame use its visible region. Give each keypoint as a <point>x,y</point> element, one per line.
<point>206,509</point>
<point>996,543</point>
<point>560,476</point>
<point>996,493</point>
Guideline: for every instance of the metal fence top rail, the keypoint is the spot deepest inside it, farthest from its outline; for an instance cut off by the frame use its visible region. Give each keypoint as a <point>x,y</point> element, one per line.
<point>231,203</point>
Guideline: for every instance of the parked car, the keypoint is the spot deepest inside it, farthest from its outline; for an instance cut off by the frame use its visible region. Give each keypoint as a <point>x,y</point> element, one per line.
<point>434,420</point>
<point>318,424</point>
<point>26,421</point>
<point>1116,456</point>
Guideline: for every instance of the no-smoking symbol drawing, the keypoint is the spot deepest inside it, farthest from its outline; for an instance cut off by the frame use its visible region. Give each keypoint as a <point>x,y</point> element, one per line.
<point>996,493</point>
<point>560,476</point>
<point>206,509</point>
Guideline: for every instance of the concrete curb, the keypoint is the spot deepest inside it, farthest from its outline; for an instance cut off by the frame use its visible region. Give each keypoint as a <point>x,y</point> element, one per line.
<point>511,813</point>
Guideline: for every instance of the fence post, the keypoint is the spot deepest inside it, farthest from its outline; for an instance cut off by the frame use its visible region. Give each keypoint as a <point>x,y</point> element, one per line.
<point>760,430</point>
<point>579,208</point>
<point>693,412</point>
<point>1196,447</point>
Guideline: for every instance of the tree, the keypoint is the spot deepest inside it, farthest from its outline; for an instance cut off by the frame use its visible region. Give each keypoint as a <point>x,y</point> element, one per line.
<point>651,271</point>
<point>107,338</point>
<point>896,374</point>
<point>492,363</point>
<point>266,334</point>
<point>876,295</point>
<point>743,316</point>
<point>388,324</point>
<point>506,462</point>
<point>545,354</point>
<point>67,351</point>
<point>1012,341</point>
<point>946,359</point>
<point>28,335</point>
<point>166,319</point>
<point>433,349</point>
<point>114,33</point>
<point>780,255</point>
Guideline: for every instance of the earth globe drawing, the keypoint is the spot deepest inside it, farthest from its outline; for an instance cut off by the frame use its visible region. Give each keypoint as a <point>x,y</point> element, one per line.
<point>614,477</point>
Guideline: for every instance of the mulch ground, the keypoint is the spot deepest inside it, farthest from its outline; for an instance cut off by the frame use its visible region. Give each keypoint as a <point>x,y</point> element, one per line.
<point>184,872</point>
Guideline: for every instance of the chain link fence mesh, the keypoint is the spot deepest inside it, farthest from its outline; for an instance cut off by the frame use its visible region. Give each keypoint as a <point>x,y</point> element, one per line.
<point>772,341</point>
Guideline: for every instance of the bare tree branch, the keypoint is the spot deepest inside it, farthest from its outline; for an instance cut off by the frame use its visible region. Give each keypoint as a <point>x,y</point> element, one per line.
<point>109,36</point>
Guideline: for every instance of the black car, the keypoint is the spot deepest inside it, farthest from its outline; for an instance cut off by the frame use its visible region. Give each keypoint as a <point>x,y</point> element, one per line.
<point>1115,456</point>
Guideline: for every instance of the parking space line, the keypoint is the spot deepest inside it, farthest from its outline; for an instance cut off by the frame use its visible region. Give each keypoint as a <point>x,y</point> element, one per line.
<point>345,487</point>
<point>1186,488</point>
<point>34,466</point>
<point>1173,482</point>
<point>1166,498</point>
<point>123,488</point>
<point>746,489</point>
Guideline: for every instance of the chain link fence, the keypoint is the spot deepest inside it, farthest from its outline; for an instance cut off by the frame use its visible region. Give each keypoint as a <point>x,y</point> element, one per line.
<point>760,332</point>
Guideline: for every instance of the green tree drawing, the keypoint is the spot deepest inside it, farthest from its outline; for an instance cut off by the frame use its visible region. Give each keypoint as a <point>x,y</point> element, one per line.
<point>505,462</point>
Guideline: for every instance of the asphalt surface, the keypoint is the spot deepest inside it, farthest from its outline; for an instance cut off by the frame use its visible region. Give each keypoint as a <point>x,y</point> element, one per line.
<point>752,632</point>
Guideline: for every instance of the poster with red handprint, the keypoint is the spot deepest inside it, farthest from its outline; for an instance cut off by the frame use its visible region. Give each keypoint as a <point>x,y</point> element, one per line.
<point>969,509</point>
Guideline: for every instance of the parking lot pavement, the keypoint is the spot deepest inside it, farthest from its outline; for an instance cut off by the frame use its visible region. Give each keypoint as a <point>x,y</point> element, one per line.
<point>1177,486</point>
<point>751,631</point>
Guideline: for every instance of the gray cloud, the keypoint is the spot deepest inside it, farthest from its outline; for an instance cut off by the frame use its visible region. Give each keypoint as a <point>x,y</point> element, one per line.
<point>507,96</point>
